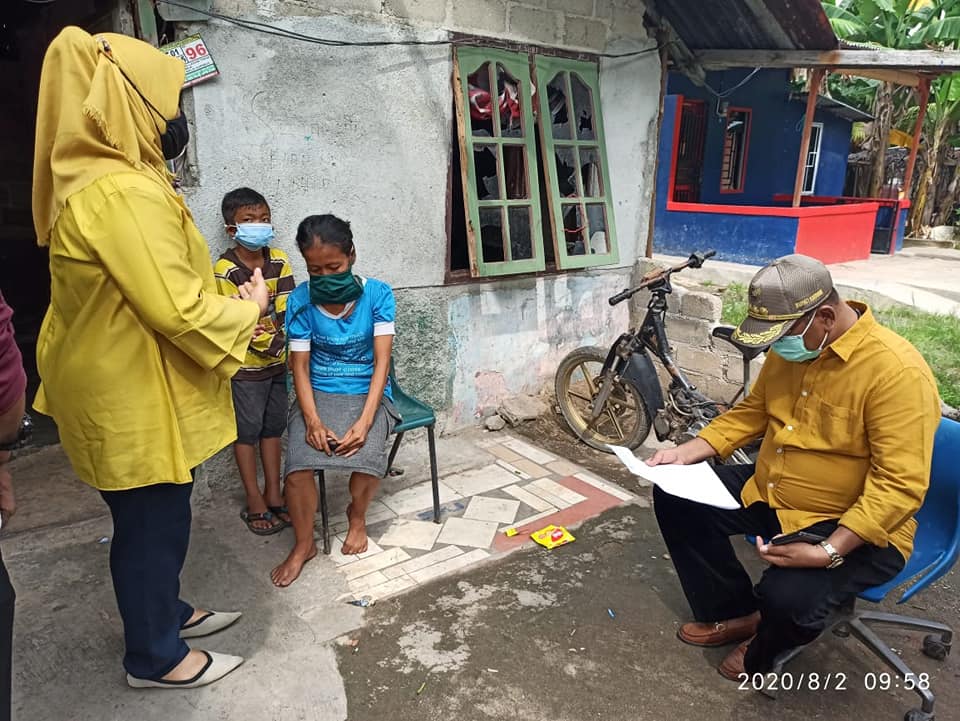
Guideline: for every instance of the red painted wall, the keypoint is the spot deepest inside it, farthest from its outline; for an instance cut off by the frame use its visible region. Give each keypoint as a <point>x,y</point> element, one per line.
<point>838,237</point>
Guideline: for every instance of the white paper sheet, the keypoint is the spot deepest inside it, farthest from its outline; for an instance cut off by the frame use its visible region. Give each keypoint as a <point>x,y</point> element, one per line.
<point>695,482</point>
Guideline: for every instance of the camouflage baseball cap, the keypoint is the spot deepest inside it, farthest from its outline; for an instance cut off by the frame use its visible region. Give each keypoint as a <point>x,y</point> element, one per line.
<point>780,293</point>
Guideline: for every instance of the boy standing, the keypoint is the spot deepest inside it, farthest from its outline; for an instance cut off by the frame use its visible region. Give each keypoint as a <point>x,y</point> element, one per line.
<point>259,387</point>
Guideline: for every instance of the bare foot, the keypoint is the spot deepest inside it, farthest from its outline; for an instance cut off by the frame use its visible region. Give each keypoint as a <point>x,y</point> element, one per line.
<point>356,540</point>
<point>189,667</point>
<point>288,571</point>
<point>198,613</point>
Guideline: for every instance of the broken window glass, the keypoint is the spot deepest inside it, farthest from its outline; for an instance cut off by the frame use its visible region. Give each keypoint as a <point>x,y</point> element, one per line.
<point>481,109</point>
<point>511,115</point>
<point>591,174</point>
<point>515,172</point>
<point>597,228</point>
<point>491,234</point>
<point>488,177</point>
<point>559,112</point>
<point>521,243</point>
<point>567,171</point>
<point>573,229</point>
<point>582,107</point>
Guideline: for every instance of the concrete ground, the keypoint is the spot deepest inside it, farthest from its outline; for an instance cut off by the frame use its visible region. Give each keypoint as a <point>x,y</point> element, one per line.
<point>583,631</point>
<point>926,278</point>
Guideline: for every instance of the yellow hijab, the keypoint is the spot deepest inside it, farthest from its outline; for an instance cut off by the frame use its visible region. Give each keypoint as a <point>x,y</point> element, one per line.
<point>91,121</point>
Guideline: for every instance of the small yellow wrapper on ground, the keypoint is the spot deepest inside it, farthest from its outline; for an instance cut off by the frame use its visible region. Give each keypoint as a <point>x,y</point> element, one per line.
<point>552,536</point>
<point>510,532</point>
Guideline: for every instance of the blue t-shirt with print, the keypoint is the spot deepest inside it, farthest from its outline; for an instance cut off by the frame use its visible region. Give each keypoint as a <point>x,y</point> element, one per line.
<point>341,349</point>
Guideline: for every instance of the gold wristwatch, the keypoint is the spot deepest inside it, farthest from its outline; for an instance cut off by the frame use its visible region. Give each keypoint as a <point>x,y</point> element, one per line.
<point>835,558</point>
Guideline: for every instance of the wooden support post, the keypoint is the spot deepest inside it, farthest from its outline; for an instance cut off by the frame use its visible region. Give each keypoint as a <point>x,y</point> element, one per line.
<point>814,92</point>
<point>662,36</point>
<point>924,91</point>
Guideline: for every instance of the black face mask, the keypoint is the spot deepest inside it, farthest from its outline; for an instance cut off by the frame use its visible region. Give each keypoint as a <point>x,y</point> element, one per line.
<point>174,141</point>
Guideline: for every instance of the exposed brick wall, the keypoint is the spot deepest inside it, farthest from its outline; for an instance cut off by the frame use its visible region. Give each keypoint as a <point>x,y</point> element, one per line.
<point>711,364</point>
<point>575,24</point>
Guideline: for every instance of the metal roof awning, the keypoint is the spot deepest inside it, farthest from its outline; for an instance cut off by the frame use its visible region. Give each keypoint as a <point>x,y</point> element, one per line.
<point>836,107</point>
<point>755,24</point>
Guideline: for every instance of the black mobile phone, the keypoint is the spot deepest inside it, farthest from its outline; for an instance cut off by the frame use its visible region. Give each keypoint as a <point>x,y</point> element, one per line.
<point>798,537</point>
<point>332,444</point>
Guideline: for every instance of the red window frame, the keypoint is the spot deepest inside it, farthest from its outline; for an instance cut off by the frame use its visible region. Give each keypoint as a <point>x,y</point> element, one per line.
<point>746,148</point>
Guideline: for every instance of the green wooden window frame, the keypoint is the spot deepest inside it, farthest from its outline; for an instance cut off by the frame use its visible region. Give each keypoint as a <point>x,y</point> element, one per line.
<point>583,224</point>
<point>584,215</point>
<point>468,62</point>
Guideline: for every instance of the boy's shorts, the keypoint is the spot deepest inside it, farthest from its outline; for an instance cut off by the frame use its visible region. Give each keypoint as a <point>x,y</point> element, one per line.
<point>261,408</point>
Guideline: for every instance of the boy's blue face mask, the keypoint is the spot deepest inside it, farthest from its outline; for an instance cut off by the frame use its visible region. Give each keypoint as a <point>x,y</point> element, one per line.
<point>254,236</point>
<point>792,347</point>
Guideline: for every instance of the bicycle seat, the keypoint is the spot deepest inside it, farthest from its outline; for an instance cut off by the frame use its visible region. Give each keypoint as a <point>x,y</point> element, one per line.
<point>725,332</point>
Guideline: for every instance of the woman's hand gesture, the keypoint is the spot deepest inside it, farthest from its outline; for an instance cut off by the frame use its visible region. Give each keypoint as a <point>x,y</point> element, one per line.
<point>319,436</point>
<point>354,438</point>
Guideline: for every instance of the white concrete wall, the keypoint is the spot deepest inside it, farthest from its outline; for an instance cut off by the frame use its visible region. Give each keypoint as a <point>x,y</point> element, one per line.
<point>366,134</point>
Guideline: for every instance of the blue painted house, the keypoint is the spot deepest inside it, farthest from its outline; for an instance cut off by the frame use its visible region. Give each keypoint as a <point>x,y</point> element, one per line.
<point>727,167</point>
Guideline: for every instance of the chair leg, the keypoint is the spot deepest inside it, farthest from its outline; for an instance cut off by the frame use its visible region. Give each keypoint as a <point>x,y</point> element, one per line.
<point>886,654</point>
<point>324,512</point>
<point>393,451</point>
<point>909,623</point>
<point>434,478</point>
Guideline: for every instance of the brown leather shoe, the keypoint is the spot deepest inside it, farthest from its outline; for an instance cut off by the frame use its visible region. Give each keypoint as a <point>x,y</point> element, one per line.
<point>720,633</point>
<point>732,666</point>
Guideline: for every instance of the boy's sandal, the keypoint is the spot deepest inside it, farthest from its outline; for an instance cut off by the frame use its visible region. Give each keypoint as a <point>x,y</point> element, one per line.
<point>277,510</point>
<point>250,518</point>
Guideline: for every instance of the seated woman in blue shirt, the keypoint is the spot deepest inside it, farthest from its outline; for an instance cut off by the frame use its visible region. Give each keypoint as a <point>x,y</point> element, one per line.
<point>340,329</point>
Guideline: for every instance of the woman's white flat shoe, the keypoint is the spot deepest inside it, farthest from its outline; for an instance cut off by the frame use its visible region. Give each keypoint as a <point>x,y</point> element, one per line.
<point>211,623</point>
<point>218,665</point>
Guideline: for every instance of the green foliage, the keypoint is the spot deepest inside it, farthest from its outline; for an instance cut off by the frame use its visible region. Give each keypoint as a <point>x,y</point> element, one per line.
<point>937,337</point>
<point>734,304</point>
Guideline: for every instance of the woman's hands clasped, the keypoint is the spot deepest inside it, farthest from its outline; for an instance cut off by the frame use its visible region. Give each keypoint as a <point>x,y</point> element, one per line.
<point>320,437</point>
<point>354,438</point>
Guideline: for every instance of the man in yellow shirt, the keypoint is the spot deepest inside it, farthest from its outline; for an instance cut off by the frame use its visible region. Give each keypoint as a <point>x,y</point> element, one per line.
<point>847,411</point>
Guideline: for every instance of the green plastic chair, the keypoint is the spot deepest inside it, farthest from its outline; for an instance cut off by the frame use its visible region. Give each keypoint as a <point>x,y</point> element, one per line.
<point>414,414</point>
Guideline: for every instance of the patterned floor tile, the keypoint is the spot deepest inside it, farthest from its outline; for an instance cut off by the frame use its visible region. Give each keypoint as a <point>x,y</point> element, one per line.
<point>529,499</point>
<point>453,564</point>
<point>427,559</point>
<point>533,470</point>
<point>527,451</point>
<point>411,534</point>
<point>564,467</point>
<point>467,532</point>
<point>376,562</point>
<point>500,510</point>
<point>388,588</point>
<point>479,480</point>
<point>514,470</point>
<point>504,453</point>
<point>417,498</point>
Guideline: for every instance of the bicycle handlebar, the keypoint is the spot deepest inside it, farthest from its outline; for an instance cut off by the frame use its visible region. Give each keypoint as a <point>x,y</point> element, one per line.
<point>695,260</point>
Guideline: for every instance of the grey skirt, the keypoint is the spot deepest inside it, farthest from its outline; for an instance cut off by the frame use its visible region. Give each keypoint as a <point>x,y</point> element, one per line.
<point>339,412</point>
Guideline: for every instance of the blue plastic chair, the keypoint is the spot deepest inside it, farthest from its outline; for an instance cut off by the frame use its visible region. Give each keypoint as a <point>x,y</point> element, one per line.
<point>414,414</point>
<point>936,547</point>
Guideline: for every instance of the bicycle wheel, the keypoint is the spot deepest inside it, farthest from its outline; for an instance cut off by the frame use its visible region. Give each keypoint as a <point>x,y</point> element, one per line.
<point>623,420</point>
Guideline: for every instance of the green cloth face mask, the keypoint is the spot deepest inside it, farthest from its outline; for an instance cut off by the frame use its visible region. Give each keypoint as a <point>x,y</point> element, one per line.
<point>335,289</point>
<point>792,347</point>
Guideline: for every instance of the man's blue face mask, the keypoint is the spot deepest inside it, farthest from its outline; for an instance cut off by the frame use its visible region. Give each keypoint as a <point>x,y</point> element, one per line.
<point>792,347</point>
<point>254,236</point>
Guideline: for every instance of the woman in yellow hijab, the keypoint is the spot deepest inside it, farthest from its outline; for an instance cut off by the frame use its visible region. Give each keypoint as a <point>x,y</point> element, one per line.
<point>137,348</point>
